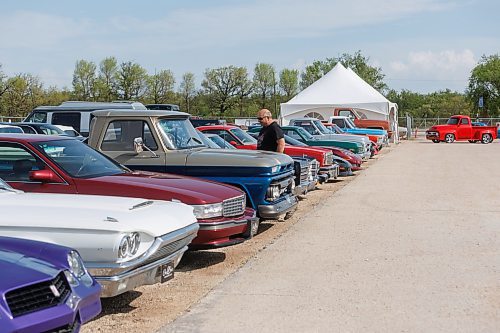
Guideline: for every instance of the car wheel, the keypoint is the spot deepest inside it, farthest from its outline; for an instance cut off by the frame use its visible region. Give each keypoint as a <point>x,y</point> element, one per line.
<point>435,140</point>
<point>486,138</point>
<point>449,138</point>
<point>472,141</point>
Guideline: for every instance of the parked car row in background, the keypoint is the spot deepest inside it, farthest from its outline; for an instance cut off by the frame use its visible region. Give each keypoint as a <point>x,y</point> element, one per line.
<point>117,207</point>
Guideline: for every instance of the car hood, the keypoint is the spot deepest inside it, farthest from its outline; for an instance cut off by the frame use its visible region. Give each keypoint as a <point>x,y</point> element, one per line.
<point>19,269</point>
<point>439,127</point>
<point>91,213</point>
<point>343,138</point>
<point>237,158</point>
<point>159,186</point>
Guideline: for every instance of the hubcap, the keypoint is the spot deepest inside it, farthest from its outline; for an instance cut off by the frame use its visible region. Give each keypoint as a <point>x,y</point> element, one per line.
<point>449,138</point>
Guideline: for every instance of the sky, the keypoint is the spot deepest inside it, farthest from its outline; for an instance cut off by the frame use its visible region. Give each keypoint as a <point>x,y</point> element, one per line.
<point>420,45</point>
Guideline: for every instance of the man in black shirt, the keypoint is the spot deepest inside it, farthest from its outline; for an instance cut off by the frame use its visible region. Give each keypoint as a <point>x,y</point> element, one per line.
<point>271,136</point>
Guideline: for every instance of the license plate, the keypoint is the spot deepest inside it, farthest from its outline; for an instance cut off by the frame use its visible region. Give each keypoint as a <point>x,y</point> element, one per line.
<point>166,272</point>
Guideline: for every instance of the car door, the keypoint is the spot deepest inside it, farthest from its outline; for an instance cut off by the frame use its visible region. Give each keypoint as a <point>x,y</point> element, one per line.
<point>464,129</point>
<point>16,162</point>
<point>118,143</point>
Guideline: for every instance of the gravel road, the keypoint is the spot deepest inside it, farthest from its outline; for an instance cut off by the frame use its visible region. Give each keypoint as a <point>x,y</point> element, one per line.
<point>412,244</point>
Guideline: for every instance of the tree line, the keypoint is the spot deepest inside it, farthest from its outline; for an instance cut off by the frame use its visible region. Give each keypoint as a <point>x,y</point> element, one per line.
<point>231,91</point>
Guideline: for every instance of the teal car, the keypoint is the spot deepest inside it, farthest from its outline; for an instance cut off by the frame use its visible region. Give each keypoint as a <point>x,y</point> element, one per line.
<point>303,136</point>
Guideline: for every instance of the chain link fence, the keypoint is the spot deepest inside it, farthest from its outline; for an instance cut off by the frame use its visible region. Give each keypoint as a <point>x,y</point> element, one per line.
<point>418,126</point>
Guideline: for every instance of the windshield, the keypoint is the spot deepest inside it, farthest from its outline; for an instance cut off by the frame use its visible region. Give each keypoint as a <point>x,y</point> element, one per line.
<point>179,134</point>
<point>305,134</point>
<point>206,141</point>
<point>322,128</point>
<point>350,123</point>
<point>335,129</point>
<point>79,160</point>
<point>452,121</point>
<point>37,117</point>
<point>220,142</point>
<point>243,136</point>
<point>291,141</point>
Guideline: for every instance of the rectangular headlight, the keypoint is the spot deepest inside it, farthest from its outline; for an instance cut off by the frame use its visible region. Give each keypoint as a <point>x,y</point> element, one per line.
<point>207,211</point>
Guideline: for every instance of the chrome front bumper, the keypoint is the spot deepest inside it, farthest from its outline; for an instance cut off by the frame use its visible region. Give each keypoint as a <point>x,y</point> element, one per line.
<point>331,171</point>
<point>273,211</point>
<point>304,187</point>
<point>116,279</point>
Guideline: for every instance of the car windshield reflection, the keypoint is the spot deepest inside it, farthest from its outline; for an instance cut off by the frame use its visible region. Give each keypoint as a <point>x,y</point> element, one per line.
<point>179,134</point>
<point>79,160</point>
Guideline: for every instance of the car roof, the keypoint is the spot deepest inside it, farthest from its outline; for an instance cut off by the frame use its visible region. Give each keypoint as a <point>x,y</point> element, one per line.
<point>140,113</point>
<point>91,106</point>
<point>217,127</point>
<point>19,137</point>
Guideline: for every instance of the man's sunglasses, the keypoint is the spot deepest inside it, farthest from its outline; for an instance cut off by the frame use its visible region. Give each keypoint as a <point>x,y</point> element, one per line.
<point>262,118</point>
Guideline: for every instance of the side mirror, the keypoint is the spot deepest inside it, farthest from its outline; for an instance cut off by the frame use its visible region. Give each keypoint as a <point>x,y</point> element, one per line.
<point>45,176</point>
<point>233,143</point>
<point>138,145</point>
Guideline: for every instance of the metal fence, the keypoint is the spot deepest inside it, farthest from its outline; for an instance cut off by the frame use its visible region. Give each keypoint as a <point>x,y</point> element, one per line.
<point>4,119</point>
<point>418,126</point>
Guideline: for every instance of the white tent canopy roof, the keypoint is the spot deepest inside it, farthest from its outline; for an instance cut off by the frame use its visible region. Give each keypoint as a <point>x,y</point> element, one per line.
<point>340,87</point>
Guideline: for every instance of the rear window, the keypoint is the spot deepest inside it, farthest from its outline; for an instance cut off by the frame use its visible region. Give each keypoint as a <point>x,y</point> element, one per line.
<point>67,119</point>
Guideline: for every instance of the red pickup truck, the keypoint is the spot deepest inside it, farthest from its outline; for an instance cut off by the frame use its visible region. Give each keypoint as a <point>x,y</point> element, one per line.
<point>460,128</point>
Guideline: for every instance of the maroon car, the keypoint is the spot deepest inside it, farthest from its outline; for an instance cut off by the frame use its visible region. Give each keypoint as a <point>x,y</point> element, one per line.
<point>50,164</point>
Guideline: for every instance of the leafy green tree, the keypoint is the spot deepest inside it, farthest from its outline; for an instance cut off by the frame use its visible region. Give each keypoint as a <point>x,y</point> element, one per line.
<point>187,90</point>
<point>485,82</point>
<point>357,62</point>
<point>264,82</point>
<point>24,93</point>
<point>84,79</point>
<point>160,87</point>
<point>106,83</point>
<point>3,82</point>
<point>223,85</point>
<point>245,88</point>
<point>289,82</point>
<point>131,81</point>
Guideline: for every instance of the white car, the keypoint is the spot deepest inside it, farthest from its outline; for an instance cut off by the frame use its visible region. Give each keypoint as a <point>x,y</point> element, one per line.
<point>10,129</point>
<point>124,242</point>
<point>70,131</point>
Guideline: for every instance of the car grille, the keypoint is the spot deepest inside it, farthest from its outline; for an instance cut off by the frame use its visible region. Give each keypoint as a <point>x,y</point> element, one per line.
<point>304,172</point>
<point>38,296</point>
<point>329,158</point>
<point>168,249</point>
<point>234,206</point>
<point>314,168</point>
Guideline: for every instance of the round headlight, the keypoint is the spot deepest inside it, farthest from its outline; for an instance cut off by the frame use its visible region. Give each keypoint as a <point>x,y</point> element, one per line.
<point>134,242</point>
<point>123,249</point>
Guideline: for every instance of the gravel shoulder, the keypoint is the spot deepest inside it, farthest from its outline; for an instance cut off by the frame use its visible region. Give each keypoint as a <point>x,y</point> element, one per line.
<point>149,308</point>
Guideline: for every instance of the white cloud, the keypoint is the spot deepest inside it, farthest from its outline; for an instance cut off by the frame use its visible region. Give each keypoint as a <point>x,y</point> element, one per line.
<point>236,23</point>
<point>449,64</point>
<point>32,30</point>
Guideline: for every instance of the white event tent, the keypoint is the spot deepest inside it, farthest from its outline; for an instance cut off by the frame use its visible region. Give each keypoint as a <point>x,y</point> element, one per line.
<point>340,87</point>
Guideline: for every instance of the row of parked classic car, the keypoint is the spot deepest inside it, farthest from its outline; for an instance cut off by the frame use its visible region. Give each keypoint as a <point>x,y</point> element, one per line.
<point>100,218</point>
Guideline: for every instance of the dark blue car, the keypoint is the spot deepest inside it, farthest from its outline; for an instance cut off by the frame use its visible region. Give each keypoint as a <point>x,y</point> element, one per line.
<point>44,287</point>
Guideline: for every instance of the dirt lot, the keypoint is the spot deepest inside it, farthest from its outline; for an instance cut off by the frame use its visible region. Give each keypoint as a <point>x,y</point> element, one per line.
<point>150,307</point>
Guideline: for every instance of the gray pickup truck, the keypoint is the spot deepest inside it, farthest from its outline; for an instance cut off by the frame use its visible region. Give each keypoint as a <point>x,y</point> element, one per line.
<point>166,141</point>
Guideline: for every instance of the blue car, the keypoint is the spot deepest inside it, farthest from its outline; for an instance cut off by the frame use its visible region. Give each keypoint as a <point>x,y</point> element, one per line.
<point>44,287</point>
